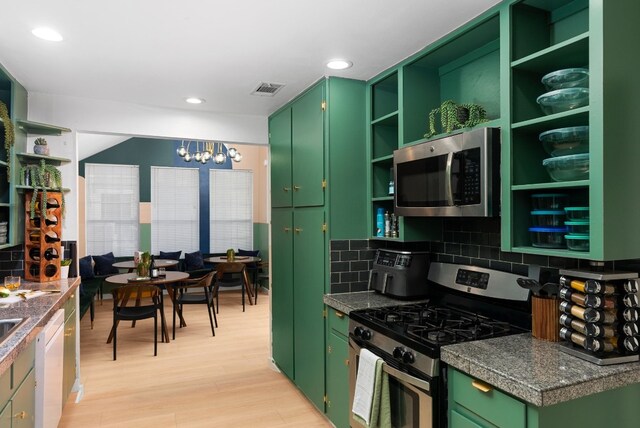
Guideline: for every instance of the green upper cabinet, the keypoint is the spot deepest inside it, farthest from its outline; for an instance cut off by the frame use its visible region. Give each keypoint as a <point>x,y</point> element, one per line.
<point>541,37</point>
<point>280,143</point>
<point>307,132</point>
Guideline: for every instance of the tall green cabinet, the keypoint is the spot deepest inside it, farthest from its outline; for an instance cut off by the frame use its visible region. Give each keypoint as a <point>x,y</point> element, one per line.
<point>317,172</point>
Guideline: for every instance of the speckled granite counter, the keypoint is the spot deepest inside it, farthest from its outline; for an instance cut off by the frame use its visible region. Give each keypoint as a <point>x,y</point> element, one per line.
<point>347,302</point>
<point>536,371</point>
<point>38,310</point>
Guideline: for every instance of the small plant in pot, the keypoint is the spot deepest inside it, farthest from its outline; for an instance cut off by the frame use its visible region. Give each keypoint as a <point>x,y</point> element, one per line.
<point>42,177</point>
<point>41,147</point>
<point>64,267</point>
<point>455,116</point>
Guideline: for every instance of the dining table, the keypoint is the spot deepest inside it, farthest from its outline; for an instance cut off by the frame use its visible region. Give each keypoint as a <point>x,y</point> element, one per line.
<point>238,259</point>
<point>131,265</point>
<point>170,278</point>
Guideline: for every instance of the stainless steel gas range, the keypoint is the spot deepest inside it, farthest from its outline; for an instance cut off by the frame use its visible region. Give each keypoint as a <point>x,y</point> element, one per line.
<point>465,303</point>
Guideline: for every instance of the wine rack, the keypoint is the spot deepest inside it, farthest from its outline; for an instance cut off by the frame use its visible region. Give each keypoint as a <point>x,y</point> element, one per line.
<point>42,238</point>
<point>600,314</point>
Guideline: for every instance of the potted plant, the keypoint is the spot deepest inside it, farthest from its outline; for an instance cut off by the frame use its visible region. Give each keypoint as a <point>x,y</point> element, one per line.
<point>143,265</point>
<point>41,147</point>
<point>9,135</point>
<point>455,116</point>
<point>42,177</point>
<point>64,268</point>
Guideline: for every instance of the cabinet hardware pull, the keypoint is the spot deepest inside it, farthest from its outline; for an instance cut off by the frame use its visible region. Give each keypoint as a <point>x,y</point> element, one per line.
<point>346,362</point>
<point>286,229</point>
<point>481,386</point>
<point>296,188</point>
<point>339,314</point>
<point>286,189</point>
<point>21,415</point>
<point>298,229</point>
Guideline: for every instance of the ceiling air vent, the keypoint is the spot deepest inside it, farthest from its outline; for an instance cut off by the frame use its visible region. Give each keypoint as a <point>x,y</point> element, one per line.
<point>267,89</point>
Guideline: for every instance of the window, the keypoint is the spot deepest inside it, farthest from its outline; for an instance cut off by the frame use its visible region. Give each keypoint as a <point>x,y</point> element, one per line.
<point>231,209</point>
<point>175,209</point>
<point>112,208</point>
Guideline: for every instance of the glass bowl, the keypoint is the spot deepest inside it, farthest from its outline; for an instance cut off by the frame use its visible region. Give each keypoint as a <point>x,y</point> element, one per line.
<point>568,168</point>
<point>563,100</point>
<point>548,201</point>
<point>577,227</point>
<point>548,218</point>
<point>566,78</point>
<point>548,237</point>
<point>577,242</point>
<point>577,213</point>
<point>566,141</point>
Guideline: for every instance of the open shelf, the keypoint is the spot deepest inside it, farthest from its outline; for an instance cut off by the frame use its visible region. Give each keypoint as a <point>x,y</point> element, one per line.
<point>555,252</point>
<point>551,186</point>
<point>384,97</point>
<point>563,55</point>
<point>576,117</point>
<point>49,159</point>
<point>21,189</point>
<point>36,128</point>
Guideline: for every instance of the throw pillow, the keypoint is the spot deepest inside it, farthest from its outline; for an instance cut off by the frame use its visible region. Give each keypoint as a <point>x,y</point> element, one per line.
<point>172,255</point>
<point>250,253</point>
<point>104,264</point>
<point>86,271</point>
<point>193,261</point>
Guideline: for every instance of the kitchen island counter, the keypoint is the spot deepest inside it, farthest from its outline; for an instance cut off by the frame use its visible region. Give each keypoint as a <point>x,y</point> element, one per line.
<point>536,371</point>
<point>37,310</point>
<point>347,302</point>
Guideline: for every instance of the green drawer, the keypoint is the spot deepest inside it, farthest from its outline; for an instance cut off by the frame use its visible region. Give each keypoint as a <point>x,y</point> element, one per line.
<point>5,387</point>
<point>23,364</point>
<point>70,305</point>
<point>339,322</point>
<point>494,406</point>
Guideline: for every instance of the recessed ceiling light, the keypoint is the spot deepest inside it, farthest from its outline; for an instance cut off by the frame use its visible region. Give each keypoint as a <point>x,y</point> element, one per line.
<point>47,34</point>
<point>194,100</point>
<point>339,64</point>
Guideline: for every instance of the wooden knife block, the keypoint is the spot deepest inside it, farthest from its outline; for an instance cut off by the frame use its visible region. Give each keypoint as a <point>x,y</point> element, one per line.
<point>545,318</point>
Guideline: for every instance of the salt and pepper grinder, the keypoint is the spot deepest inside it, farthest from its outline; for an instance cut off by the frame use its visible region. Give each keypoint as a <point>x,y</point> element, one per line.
<point>387,225</point>
<point>394,226</point>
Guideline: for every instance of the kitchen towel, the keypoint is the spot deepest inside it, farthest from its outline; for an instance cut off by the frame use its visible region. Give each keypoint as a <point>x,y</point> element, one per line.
<point>371,405</point>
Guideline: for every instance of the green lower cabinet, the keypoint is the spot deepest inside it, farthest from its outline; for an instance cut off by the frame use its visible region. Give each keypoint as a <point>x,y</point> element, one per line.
<point>5,415</point>
<point>337,371</point>
<point>477,404</point>
<point>23,403</point>
<point>69,364</point>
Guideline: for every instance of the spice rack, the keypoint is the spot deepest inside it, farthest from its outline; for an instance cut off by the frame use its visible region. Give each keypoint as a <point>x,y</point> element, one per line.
<point>599,316</point>
<point>42,237</point>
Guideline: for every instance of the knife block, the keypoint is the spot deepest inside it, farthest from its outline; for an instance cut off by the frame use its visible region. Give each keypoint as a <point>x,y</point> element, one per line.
<point>545,313</point>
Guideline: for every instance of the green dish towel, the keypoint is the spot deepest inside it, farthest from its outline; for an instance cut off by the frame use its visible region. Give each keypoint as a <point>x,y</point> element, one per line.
<point>380,406</point>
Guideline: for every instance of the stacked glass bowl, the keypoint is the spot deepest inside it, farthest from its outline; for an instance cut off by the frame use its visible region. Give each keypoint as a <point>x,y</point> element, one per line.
<point>577,223</point>
<point>548,220</point>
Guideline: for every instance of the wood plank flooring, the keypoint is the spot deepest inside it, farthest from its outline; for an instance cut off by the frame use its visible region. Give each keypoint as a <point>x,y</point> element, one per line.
<point>195,381</point>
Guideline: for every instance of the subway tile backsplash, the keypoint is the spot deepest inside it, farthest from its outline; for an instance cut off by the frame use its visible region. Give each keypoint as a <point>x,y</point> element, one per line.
<point>466,241</point>
<point>12,259</point>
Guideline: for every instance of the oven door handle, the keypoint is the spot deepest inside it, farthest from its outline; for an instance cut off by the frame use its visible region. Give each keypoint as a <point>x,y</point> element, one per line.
<point>447,183</point>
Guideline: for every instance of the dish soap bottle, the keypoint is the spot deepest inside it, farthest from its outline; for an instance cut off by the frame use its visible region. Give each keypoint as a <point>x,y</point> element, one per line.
<point>380,222</point>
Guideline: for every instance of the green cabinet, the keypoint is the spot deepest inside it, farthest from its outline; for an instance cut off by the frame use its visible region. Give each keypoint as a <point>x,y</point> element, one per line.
<point>337,368</point>
<point>70,337</point>
<point>541,37</point>
<point>18,392</point>
<point>23,403</point>
<point>319,142</point>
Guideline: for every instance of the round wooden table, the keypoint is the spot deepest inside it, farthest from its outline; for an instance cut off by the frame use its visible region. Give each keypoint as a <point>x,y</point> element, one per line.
<point>170,278</point>
<point>160,263</point>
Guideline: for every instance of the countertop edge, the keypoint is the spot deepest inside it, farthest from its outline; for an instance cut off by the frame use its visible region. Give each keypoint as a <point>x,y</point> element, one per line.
<point>27,333</point>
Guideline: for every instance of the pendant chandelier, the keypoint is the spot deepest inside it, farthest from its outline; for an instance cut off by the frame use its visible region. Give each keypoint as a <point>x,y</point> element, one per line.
<point>205,151</point>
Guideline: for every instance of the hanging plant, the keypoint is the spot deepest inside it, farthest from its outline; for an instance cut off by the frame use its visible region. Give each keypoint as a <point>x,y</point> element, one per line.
<point>9,135</point>
<point>455,116</point>
<point>41,178</point>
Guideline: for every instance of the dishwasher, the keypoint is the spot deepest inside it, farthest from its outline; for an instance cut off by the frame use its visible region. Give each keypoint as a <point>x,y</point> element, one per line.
<point>49,369</point>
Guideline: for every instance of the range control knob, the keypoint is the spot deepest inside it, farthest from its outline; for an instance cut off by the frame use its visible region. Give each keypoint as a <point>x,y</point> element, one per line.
<point>403,355</point>
<point>362,333</point>
<point>398,352</point>
<point>407,358</point>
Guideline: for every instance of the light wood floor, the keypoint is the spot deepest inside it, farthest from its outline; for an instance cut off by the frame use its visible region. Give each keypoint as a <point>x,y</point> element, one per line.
<point>195,381</point>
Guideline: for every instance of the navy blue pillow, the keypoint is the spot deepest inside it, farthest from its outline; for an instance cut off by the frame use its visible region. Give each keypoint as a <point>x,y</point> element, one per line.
<point>193,261</point>
<point>86,271</point>
<point>250,253</point>
<point>104,264</point>
<point>173,255</point>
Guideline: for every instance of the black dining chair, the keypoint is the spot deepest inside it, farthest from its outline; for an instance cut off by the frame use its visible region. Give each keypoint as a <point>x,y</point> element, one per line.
<point>231,274</point>
<point>194,291</point>
<point>137,302</point>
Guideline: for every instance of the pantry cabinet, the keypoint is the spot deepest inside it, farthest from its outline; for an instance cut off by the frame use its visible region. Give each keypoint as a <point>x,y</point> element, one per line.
<point>317,147</point>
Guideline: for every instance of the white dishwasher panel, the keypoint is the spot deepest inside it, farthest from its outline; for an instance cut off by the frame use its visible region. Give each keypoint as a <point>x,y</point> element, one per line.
<point>49,369</point>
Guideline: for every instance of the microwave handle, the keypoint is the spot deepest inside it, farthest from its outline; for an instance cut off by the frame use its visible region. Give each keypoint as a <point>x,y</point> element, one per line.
<point>447,184</point>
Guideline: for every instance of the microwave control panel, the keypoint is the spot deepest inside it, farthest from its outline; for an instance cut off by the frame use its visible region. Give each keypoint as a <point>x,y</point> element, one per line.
<point>469,181</point>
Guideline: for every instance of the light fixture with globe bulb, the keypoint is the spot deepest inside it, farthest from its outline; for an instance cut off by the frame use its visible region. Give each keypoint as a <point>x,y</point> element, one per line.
<point>209,151</point>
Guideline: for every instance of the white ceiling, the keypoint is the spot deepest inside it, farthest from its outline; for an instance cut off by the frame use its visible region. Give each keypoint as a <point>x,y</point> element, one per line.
<point>158,52</point>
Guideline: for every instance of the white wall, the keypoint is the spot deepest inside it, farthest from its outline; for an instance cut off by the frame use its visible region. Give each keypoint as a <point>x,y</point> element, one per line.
<point>84,115</point>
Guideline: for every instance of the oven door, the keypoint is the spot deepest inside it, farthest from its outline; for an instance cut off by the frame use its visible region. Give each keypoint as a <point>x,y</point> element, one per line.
<point>411,401</point>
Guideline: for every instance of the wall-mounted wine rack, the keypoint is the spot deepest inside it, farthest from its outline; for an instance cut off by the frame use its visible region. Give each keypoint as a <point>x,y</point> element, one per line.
<point>42,237</point>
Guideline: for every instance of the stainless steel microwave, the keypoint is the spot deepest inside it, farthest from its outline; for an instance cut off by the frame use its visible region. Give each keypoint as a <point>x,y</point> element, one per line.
<point>454,176</point>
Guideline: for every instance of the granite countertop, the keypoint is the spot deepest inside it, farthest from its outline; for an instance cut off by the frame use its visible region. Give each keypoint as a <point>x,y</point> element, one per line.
<point>38,310</point>
<point>347,302</point>
<point>536,371</point>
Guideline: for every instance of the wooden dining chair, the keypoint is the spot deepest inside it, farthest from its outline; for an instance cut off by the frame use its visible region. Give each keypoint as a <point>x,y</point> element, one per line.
<point>194,291</point>
<point>137,302</point>
<point>231,274</point>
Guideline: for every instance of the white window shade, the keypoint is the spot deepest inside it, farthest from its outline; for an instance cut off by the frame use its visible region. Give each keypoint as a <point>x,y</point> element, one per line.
<point>175,210</point>
<point>230,210</point>
<point>112,209</point>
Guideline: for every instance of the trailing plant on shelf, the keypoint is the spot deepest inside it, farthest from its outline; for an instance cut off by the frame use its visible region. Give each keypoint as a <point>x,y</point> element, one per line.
<point>455,116</point>
<point>42,177</point>
<point>40,147</point>
<point>9,135</point>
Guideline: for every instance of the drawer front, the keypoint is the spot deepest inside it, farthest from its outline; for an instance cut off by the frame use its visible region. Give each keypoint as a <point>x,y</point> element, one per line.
<point>23,364</point>
<point>461,421</point>
<point>339,322</point>
<point>494,406</point>
<point>70,305</point>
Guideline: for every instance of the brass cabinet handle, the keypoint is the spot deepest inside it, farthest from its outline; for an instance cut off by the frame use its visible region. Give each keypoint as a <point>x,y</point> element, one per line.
<point>286,189</point>
<point>298,229</point>
<point>481,386</point>
<point>21,415</point>
<point>339,314</point>
<point>296,188</point>
<point>346,362</point>
<point>286,229</point>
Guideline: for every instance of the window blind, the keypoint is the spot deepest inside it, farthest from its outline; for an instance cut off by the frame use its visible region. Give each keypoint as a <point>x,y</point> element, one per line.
<point>230,210</point>
<point>175,209</point>
<point>112,209</point>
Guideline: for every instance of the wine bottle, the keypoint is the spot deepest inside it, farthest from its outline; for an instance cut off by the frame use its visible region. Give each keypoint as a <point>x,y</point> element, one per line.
<point>51,220</point>
<point>50,270</point>
<point>588,329</point>
<point>588,314</point>
<point>51,236</point>
<point>34,253</point>
<point>34,236</point>
<point>153,270</point>
<point>588,300</point>
<point>51,253</point>
<point>35,222</point>
<point>52,203</point>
